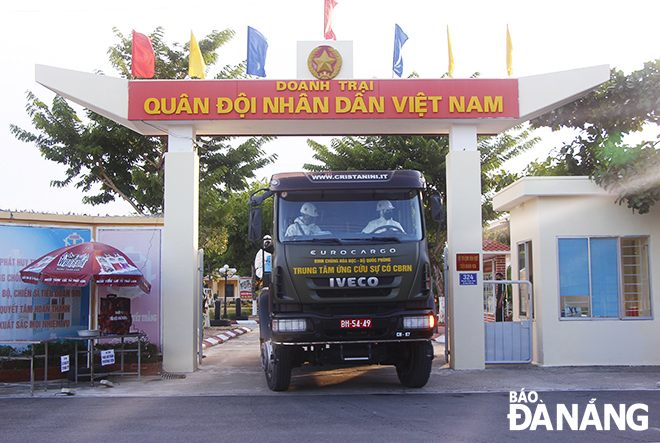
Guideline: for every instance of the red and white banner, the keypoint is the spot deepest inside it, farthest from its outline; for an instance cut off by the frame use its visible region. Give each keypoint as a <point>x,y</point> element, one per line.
<point>323,99</point>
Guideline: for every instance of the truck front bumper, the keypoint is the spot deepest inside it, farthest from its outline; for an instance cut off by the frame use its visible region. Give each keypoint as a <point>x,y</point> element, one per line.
<point>311,328</point>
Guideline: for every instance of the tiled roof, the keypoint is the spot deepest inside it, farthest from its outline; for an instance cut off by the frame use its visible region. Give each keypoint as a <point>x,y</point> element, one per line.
<point>492,245</point>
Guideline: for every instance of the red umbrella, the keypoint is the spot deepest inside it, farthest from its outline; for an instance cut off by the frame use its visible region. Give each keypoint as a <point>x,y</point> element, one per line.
<point>75,265</point>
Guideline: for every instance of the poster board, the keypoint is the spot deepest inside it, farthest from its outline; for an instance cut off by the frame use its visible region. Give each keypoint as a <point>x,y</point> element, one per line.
<point>29,311</point>
<point>144,247</point>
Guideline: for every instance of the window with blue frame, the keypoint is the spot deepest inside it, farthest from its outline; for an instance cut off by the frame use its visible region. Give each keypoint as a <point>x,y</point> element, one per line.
<point>604,277</point>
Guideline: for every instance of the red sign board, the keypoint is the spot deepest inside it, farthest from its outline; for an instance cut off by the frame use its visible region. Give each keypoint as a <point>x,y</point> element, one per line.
<point>245,288</point>
<point>467,262</point>
<point>322,99</point>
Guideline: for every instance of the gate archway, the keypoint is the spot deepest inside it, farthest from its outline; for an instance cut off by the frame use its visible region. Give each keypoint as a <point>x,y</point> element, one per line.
<point>185,109</point>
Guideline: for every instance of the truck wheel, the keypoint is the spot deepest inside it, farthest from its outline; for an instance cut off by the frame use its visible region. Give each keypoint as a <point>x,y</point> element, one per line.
<point>415,368</point>
<point>276,361</point>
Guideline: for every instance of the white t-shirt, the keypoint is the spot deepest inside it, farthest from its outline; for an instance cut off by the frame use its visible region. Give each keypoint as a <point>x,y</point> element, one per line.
<point>262,256</point>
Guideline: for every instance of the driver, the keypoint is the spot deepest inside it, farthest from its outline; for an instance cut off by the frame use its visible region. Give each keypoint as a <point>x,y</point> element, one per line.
<point>305,223</point>
<point>386,211</point>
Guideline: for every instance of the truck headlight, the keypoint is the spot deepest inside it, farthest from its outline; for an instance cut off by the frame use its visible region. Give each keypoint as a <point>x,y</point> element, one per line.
<point>419,322</point>
<point>290,325</point>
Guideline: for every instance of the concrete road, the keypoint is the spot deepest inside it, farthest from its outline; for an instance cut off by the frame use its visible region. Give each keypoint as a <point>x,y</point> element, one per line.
<point>228,399</point>
<point>234,368</point>
<point>424,418</point>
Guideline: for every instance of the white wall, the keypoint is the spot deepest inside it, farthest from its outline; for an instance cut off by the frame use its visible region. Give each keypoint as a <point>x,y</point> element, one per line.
<point>542,218</point>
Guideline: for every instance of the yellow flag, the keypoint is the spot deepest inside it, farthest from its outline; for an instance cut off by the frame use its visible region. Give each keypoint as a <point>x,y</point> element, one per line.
<point>196,66</point>
<point>509,52</point>
<point>451,55</point>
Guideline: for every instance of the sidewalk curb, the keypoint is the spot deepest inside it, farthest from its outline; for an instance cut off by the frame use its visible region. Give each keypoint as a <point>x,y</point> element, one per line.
<point>224,336</point>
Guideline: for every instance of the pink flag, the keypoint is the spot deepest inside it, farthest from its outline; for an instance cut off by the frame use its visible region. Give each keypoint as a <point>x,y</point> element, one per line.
<point>143,58</point>
<point>327,19</point>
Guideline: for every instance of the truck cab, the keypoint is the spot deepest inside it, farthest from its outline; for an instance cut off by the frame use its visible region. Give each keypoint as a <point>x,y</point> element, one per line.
<point>351,278</point>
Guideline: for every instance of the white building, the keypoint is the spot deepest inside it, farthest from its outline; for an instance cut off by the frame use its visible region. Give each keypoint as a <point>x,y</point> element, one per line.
<point>591,263</point>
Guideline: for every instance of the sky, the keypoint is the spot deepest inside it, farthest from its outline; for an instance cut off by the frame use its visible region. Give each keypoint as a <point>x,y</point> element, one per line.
<point>76,34</point>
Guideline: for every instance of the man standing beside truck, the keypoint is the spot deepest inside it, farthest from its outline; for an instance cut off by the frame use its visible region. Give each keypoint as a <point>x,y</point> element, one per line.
<point>262,261</point>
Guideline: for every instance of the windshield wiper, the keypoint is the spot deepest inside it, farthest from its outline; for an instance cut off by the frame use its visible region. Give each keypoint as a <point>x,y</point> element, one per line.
<point>394,239</point>
<point>326,240</point>
<point>377,239</point>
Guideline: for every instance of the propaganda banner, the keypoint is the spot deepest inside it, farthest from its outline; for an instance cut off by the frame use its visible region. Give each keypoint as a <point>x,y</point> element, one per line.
<point>322,99</point>
<point>29,311</point>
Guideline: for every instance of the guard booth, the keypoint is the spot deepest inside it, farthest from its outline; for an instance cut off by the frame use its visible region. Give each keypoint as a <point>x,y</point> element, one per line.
<point>509,340</point>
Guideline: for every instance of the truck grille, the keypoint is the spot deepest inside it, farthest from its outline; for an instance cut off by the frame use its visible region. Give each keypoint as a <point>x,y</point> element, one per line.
<point>353,293</point>
<point>323,289</point>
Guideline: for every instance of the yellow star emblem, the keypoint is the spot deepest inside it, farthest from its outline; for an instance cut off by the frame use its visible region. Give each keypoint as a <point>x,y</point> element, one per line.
<point>324,62</point>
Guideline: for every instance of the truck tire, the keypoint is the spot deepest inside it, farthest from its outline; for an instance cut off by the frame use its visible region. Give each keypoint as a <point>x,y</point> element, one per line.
<point>415,368</point>
<point>276,361</point>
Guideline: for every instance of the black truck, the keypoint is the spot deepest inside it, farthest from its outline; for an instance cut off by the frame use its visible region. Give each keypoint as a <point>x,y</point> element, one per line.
<point>351,279</point>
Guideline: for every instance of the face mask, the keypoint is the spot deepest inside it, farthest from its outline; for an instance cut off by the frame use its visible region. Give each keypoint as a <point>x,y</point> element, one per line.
<point>387,215</point>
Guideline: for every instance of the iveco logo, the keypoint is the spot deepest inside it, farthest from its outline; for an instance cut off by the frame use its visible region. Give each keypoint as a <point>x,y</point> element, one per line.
<point>345,252</point>
<point>353,282</point>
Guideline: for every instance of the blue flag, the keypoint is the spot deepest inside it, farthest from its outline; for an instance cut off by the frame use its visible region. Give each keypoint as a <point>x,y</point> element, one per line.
<point>400,38</point>
<point>256,53</point>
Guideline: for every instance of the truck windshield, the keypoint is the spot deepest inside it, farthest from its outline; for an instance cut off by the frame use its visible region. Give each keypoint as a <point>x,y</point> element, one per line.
<point>350,216</point>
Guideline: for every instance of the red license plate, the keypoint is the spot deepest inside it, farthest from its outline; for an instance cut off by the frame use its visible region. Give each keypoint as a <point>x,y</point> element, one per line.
<point>356,323</point>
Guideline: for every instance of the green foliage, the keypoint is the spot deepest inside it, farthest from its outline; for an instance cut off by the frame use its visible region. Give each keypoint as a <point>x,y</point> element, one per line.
<point>495,151</point>
<point>625,104</point>
<point>172,60</point>
<point>501,234</point>
<point>240,252</point>
<point>425,154</point>
<point>632,172</point>
<point>130,166</point>
<point>99,152</point>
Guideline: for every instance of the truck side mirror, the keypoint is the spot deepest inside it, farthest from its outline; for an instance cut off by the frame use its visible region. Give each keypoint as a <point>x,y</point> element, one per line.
<point>254,228</point>
<point>437,209</point>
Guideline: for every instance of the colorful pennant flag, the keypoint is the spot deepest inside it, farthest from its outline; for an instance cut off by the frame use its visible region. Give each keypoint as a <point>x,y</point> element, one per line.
<point>450,70</point>
<point>327,19</point>
<point>143,59</point>
<point>256,53</point>
<point>196,66</point>
<point>400,38</point>
<point>509,52</point>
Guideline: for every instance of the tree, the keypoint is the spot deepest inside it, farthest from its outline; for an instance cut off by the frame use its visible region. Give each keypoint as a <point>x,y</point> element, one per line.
<point>128,165</point>
<point>623,105</point>
<point>426,154</point>
<point>240,252</point>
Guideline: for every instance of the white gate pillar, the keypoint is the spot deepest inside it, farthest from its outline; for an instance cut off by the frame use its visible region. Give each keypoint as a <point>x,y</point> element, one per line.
<point>180,300</point>
<point>464,232</point>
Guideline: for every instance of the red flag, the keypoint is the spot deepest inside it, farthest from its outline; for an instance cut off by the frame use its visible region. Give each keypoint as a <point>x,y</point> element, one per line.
<point>143,57</point>
<point>327,19</point>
